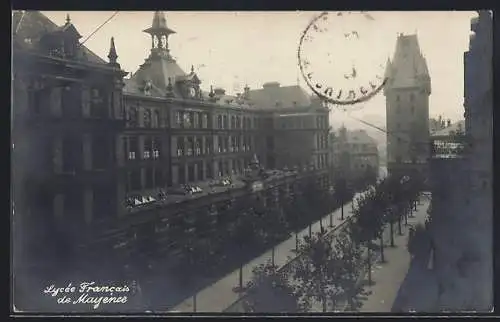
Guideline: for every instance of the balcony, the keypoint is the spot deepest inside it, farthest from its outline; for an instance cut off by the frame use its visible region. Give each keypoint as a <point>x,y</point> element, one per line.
<point>448,147</point>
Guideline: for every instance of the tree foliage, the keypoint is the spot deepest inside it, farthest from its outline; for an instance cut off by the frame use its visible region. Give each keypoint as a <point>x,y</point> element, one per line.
<point>270,291</point>
<point>352,270</point>
<point>317,272</point>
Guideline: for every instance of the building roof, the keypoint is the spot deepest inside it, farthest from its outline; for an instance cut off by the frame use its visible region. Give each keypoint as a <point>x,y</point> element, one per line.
<point>30,26</point>
<point>408,65</point>
<point>272,95</point>
<point>157,69</point>
<point>360,137</point>
<point>453,128</point>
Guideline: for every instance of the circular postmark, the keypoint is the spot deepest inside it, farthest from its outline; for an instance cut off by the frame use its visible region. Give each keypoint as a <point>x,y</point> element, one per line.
<point>341,58</point>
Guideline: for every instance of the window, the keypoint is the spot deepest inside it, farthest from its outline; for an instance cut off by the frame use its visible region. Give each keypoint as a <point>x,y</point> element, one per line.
<point>135,180</point>
<point>149,178</point>
<point>190,172</point>
<point>233,122</point>
<point>221,168</point>
<point>238,122</point>
<point>204,121</point>
<point>412,97</point>
<point>97,104</point>
<point>225,121</point>
<point>147,118</point>
<point>209,170</point>
<point>180,146</point>
<point>219,122</point>
<point>188,119</point>
<point>148,147</point>
<point>398,125</point>
<point>199,166</point>
<point>208,145</point>
<point>182,174</point>
<point>156,145</point>
<point>100,152</point>
<point>397,98</point>
<point>133,116</point>
<point>231,143</point>
<point>156,119</point>
<point>71,153</point>
<point>198,145</point>
<point>398,159</point>
<point>196,120</point>
<point>178,119</point>
<point>133,148</point>
<point>158,177</point>
<point>190,146</point>
<point>226,144</point>
<point>220,144</point>
<point>71,100</point>
<point>412,109</point>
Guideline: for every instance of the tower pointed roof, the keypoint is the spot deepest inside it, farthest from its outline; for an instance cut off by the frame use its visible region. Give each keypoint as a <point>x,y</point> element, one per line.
<point>159,25</point>
<point>160,66</point>
<point>408,67</point>
<point>112,52</point>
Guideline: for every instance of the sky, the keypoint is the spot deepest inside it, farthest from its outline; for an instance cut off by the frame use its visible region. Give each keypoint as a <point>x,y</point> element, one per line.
<point>231,49</point>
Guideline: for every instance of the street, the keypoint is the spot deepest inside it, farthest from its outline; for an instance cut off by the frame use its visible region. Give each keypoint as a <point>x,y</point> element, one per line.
<point>220,295</point>
<point>389,276</point>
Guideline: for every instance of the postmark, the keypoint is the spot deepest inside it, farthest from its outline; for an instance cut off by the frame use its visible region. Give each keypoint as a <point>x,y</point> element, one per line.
<point>340,59</point>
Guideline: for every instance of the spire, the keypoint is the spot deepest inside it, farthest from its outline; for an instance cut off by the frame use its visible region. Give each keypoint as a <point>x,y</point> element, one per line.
<point>68,19</point>
<point>112,52</point>
<point>159,33</point>
<point>388,68</point>
<point>192,69</point>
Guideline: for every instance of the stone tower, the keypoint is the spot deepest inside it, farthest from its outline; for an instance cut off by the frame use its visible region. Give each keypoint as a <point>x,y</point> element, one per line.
<point>407,109</point>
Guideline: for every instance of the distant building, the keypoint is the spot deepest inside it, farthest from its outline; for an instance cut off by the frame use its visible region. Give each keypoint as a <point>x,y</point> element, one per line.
<point>461,182</point>
<point>450,129</point>
<point>354,153</point>
<point>109,160</point>
<point>407,109</point>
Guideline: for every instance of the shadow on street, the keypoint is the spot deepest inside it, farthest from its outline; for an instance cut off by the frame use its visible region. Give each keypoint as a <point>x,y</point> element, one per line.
<point>418,292</point>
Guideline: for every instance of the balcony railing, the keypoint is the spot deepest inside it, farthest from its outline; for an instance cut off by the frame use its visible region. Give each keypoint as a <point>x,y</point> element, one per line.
<point>448,147</point>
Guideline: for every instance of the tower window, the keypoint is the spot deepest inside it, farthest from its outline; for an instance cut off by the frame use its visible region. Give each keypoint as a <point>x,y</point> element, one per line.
<point>412,97</point>
<point>398,98</point>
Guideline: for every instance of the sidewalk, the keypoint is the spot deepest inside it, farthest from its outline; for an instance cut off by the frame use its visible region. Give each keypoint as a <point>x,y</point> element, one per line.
<point>388,277</point>
<point>220,295</point>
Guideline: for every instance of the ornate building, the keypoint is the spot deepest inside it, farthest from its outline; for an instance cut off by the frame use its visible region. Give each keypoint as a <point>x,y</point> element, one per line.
<point>110,160</point>
<point>462,196</point>
<point>407,108</point>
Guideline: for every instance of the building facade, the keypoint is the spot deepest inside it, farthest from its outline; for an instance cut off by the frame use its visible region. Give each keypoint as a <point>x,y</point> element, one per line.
<point>462,210</point>
<point>354,153</point>
<point>407,109</point>
<point>108,159</point>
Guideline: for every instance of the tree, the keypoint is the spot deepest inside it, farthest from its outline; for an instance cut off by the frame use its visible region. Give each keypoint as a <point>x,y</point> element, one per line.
<point>341,193</point>
<point>378,205</point>
<point>244,235</point>
<point>317,272</point>
<point>366,226</point>
<point>352,268</point>
<point>270,291</point>
<point>293,213</point>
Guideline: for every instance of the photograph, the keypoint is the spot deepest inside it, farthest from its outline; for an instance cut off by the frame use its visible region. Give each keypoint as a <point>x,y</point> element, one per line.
<point>251,162</point>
